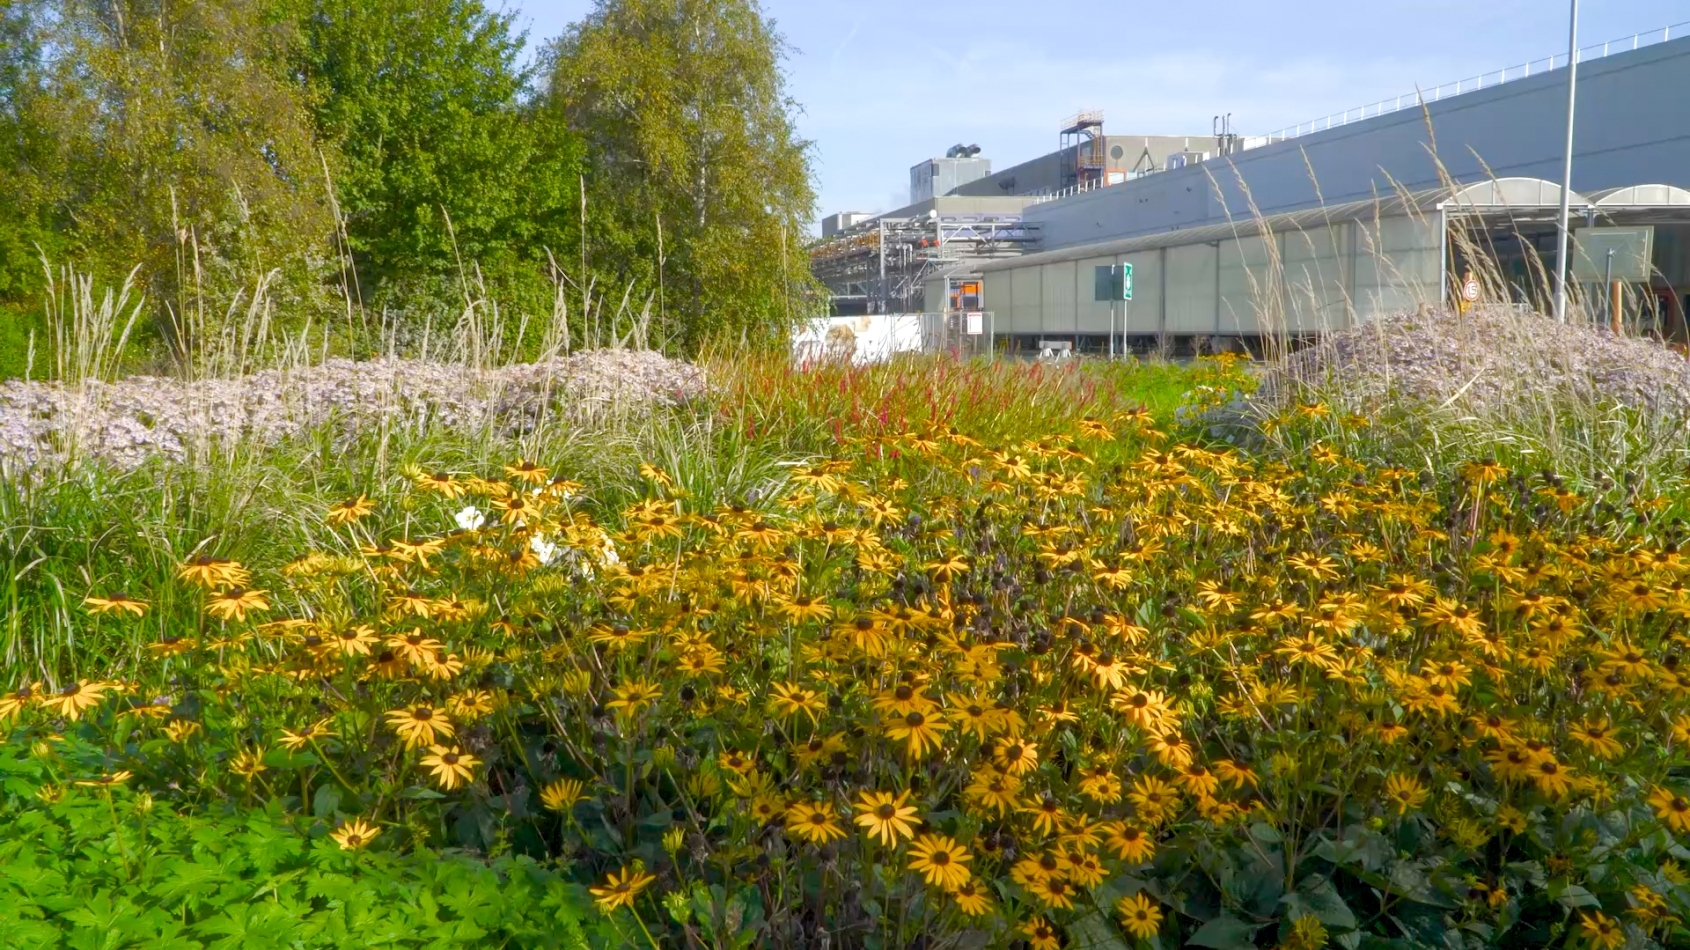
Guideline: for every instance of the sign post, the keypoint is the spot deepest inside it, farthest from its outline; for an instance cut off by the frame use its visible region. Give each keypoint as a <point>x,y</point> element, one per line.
<point>1113,282</point>
<point>1469,292</point>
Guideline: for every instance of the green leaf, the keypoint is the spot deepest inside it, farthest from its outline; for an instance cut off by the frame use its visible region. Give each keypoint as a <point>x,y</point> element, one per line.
<point>1315,895</point>
<point>325,801</point>
<point>1225,932</point>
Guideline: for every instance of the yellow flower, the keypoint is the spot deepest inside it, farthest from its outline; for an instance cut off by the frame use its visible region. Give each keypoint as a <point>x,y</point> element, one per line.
<point>420,725</point>
<point>1130,843</point>
<point>919,730</point>
<point>441,483</point>
<point>813,822</point>
<point>1601,931</point>
<point>526,471</point>
<point>106,781</point>
<point>621,888</point>
<point>355,834</point>
<point>294,741</point>
<point>235,602</point>
<point>248,763</point>
<point>348,511</point>
<point>1671,808</point>
<point>115,604</point>
<point>1404,793</point>
<point>210,572</point>
<point>450,765</point>
<point>14,702</point>
<point>75,699</point>
<point>1140,915</point>
<point>972,898</point>
<point>1040,935</point>
<point>886,817</point>
<point>941,861</point>
<point>562,794</point>
<point>1016,756</point>
<point>787,699</point>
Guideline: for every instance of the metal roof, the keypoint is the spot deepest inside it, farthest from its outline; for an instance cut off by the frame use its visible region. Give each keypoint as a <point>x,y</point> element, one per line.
<point>1487,197</point>
<point>1641,196</point>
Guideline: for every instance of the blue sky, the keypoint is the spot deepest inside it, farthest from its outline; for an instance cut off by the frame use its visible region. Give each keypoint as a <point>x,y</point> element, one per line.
<point>886,83</point>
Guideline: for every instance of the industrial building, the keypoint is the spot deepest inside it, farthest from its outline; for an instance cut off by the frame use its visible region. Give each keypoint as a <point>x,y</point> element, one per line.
<point>1230,238</point>
<point>923,256</point>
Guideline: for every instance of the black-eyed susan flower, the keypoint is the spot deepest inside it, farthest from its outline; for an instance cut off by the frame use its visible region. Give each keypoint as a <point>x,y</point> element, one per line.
<point>353,640</point>
<point>116,603</point>
<point>449,765</point>
<point>621,888</point>
<point>886,817</point>
<point>1040,934</point>
<point>1140,915</point>
<point>563,794</point>
<point>1671,808</point>
<point>814,822</point>
<point>306,735</point>
<point>790,699</point>
<point>1015,756</point>
<point>212,572</point>
<point>632,696</point>
<point>19,699</point>
<point>234,603</point>
<point>1600,931</point>
<point>919,731</point>
<point>349,510</point>
<point>972,898</point>
<point>1404,793</point>
<point>420,725</point>
<point>107,780</point>
<point>355,834</point>
<point>75,699</point>
<point>443,484</point>
<point>940,861</point>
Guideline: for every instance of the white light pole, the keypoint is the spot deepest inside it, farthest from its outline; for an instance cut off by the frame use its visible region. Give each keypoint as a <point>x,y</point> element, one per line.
<point>1567,167</point>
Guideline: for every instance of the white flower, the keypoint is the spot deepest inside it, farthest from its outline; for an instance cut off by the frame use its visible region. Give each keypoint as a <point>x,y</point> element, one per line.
<point>470,518</point>
<point>545,550</point>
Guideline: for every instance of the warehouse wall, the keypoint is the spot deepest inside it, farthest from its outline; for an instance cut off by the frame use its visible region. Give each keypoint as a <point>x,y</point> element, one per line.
<point>1320,278</point>
<point>1633,126</point>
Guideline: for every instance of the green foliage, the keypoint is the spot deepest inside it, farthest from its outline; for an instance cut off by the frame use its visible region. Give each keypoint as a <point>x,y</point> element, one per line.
<point>168,135</point>
<point>97,867</point>
<point>696,162</point>
<point>440,164</point>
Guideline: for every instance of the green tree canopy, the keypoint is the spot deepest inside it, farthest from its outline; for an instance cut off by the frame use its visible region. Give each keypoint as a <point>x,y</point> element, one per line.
<point>695,159</point>
<point>169,135</point>
<point>440,163</point>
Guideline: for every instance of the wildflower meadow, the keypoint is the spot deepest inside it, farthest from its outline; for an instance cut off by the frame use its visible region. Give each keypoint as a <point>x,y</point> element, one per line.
<point>918,655</point>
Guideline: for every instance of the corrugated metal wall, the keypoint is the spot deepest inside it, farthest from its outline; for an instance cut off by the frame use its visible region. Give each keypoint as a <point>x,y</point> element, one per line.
<point>1320,278</point>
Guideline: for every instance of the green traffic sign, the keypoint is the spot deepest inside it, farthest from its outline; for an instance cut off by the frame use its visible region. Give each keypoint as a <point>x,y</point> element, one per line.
<point>1114,282</point>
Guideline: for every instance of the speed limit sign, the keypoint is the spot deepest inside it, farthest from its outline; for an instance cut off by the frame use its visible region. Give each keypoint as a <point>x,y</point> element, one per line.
<point>1470,289</point>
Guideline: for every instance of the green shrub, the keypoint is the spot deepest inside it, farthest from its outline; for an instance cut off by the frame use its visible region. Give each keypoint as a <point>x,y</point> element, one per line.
<point>105,867</point>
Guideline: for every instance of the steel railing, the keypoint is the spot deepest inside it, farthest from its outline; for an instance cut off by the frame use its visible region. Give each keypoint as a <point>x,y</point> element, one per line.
<point>1475,83</point>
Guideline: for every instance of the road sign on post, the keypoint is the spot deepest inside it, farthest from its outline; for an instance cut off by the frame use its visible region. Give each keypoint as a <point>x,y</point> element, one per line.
<point>1113,282</point>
